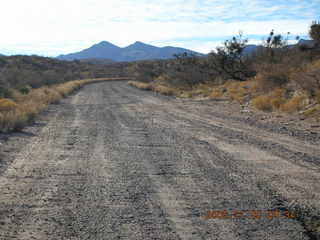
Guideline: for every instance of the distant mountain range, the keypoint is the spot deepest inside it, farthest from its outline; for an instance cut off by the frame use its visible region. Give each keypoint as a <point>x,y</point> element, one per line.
<point>133,52</point>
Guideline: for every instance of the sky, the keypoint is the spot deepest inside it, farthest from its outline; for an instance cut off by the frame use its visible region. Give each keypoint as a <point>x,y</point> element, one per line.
<point>50,28</point>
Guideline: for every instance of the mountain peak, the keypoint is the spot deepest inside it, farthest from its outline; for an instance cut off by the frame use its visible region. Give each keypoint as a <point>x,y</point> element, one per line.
<point>133,52</point>
<point>105,44</point>
<point>139,43</point>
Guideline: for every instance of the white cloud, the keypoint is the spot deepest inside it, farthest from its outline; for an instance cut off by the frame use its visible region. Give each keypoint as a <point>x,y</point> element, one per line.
<point>51,27</point>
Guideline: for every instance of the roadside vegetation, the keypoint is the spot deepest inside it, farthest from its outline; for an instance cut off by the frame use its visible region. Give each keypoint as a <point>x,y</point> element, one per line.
<point>28,84</point>
<point>21,108</point>
<point>29,72</point>
<point>276,76</point>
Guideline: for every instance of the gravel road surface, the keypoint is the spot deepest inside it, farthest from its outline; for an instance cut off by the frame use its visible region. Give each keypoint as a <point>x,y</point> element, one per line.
<point>115,162</point>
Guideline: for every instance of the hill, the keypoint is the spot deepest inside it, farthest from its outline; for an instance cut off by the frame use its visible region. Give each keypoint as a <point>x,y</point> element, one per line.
<point>134,52</point>
<point>19,72</point>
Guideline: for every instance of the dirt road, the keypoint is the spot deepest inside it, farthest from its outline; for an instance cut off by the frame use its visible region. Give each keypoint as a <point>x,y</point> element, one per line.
<point>115,162</point>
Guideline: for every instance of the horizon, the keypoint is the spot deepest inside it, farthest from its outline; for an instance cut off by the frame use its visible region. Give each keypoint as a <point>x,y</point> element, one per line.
<point>51,29</point>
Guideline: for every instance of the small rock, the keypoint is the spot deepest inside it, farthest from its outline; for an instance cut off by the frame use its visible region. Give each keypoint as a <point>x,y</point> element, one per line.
<point>315,126</point>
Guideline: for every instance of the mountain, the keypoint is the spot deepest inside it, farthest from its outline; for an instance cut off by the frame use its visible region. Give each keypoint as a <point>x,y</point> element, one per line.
<point>307,44</point>
<point>134,52</point>
<point>102,50</point>
<point>251,49</point>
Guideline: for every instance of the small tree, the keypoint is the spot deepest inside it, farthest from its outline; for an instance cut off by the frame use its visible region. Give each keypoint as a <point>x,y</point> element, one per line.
<point>230,61</point>
<point>276,47</point>
<point>314,31</point>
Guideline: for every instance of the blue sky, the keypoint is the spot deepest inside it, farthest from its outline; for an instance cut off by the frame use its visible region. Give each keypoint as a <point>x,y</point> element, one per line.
<point>48,28</point>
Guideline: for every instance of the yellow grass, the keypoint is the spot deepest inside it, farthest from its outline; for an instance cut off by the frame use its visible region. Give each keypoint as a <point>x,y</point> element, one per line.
<point>141,85</point>
<point>164,90</point>
<point>294,104</point>
<point>262,103</point>
<point>216,93</point>
<point>153,87</point>
<point>276,100</point>
<point>7,105</point>
<point>17,112</point>
<point>276,103</point>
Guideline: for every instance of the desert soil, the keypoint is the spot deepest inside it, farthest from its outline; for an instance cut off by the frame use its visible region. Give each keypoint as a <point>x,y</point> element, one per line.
<point>116,162</point>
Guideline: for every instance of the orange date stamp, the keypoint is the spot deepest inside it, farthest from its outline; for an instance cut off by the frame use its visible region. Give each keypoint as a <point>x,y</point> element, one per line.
<point>250,214</point>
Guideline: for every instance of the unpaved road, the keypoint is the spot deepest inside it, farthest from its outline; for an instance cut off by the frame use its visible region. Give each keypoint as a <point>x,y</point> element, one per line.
<point>115,162</point>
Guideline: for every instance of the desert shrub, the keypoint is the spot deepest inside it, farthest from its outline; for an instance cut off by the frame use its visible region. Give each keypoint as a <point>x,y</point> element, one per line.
<point>146,71</point>
<point>186,71</point>
<point>278,100</point>
<point>308,77</point>
<point>262,103</point>
<point>294,104</point>
<point>237,93</point>
<point>216,93</point>
<point>230,62</point>
<point>276,103</point>
<point>164,90</point>
<point>272,76</point>
<point>25,90</point>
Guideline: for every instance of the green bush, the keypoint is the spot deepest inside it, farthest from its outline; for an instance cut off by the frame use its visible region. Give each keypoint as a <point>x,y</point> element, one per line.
<point>25,90</point>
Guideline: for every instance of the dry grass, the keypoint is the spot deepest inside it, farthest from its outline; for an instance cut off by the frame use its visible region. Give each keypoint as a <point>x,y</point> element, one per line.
<point>307,77</point>
<point>294,104</point>
<point>141,85</point>
<point>216,93</point>
<point>237,94</point>
<point>312,112</point>
<point>164,90</point>
<point>7,105</point>
<point>234,90</point>
<point>272,101</point>
<point>154,87</point>
<point>185,94</point>
<point>262,103</point>
<point>275,88</point>
<point>277,100</point>
<point>22,109</point>
<point>271,76</point>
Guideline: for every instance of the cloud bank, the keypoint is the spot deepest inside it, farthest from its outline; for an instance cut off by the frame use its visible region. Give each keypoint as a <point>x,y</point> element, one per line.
<point>49,28</point>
